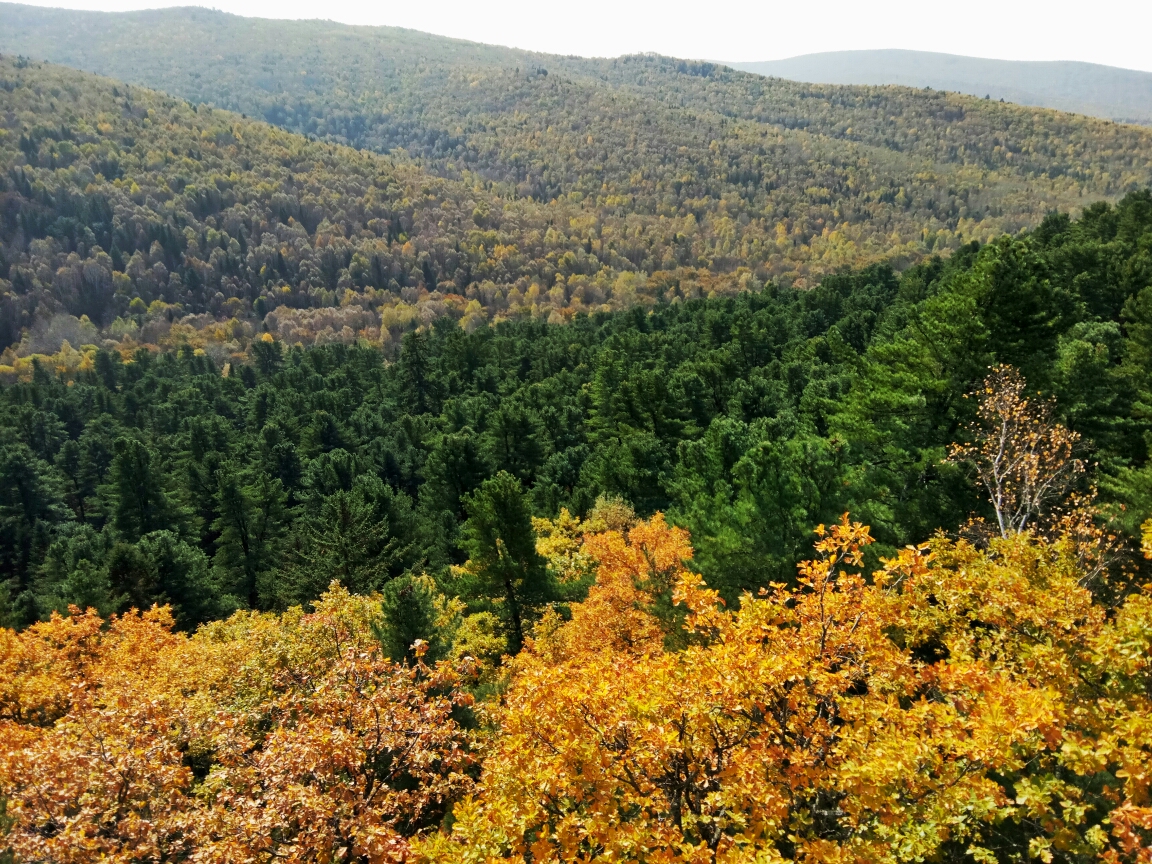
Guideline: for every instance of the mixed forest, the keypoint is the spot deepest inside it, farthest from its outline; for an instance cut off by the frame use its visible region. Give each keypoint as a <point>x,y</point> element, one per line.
<point>747,420</point>
<point>504,184</point>
<point>556,492</point>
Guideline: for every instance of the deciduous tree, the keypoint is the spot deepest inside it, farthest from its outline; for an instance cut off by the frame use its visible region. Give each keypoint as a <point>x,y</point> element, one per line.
<point>261,738</point>
<point>959,703</point>
<point>1025,461</point>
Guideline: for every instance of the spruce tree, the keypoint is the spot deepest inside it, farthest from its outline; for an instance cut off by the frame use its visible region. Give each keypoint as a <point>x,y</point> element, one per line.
<point>503,565</point>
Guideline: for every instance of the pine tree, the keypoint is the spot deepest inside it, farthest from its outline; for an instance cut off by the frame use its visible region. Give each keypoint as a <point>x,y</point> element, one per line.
<point>141,504</point>
<point>503,565</point>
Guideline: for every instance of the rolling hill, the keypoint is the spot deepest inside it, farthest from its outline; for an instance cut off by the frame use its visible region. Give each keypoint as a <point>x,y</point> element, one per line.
<point>505,184</point>
<point>1124,95</point>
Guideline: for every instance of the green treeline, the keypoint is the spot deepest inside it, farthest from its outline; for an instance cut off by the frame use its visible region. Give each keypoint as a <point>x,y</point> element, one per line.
<point>747,419</point>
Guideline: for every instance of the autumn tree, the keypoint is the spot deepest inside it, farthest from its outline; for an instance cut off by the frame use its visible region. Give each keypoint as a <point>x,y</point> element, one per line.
<point>1024,460</point>
<point>960,702</point>
<point>260,738</point>
<point>90,739</point>
<point>635,566</point>
<point>347,757</point>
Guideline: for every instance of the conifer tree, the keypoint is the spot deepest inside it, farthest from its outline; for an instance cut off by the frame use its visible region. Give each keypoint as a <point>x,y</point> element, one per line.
<point>142,505</point>
<point>503,565</point>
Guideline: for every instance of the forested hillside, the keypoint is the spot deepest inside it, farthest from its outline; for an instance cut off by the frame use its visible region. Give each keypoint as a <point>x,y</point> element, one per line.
<point>455,633</point>
<point>748,420</point>
<point>134,218</point>
<point>522,119</point>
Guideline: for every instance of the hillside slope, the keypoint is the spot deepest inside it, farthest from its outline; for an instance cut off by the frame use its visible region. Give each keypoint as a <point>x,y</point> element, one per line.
<point>516,185</point>
<point>749,420</point>
<point>797,179</point>
<point>1124,95</point>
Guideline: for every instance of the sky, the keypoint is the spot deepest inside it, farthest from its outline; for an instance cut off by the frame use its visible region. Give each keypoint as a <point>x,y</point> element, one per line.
<point>1113,32</point>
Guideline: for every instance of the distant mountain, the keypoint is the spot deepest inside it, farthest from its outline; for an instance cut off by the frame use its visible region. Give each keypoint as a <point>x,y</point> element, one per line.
<point>1124,95</point>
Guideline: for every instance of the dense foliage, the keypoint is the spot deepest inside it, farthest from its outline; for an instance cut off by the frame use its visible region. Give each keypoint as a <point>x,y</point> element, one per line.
<point>955,705</point>
<point>958,704</point>
<point>431,591</point>
<point>522,119</point>
<point>595,184</point>
<point>262,738</point>
<point>748,419</point>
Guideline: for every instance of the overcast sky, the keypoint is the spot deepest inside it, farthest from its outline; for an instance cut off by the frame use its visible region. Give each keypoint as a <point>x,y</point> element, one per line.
<point>1114,32</point>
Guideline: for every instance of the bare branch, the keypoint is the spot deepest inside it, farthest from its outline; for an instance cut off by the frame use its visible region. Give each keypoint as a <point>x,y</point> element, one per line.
<point>1024,460</point>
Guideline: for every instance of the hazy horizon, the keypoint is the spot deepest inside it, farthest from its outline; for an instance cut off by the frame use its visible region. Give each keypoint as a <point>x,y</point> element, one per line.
<point>765,32</point>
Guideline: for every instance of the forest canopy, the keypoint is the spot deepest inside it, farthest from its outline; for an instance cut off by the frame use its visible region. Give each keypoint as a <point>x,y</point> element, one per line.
<point>508,191</point>
<point>748,420</point>
<point>957,703</point>
<point>631,460</point>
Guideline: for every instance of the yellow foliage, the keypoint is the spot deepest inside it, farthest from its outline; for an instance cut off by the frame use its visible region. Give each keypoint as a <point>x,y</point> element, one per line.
<point>559,541</point>
<point>962,699</point>
<point>309,744</point>
<point>959,699</point>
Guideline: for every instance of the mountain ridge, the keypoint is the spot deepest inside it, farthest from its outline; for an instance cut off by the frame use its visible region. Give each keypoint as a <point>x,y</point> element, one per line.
<point>1110,92</point>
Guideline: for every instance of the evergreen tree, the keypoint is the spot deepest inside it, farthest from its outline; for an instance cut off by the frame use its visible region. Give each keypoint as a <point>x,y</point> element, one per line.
<point>87,586</point>
<point>454,467</point>
<point>511,442</point>
<point>409,613</point>
<point>75,572</point>
<point>348,538</point>
<point>420,392</point>
<point>141,504</point>
<point>250,525</point>
<point>31,502</point>
<point>503,565</point>
<point>268,354</point>
<point>179,575</point>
